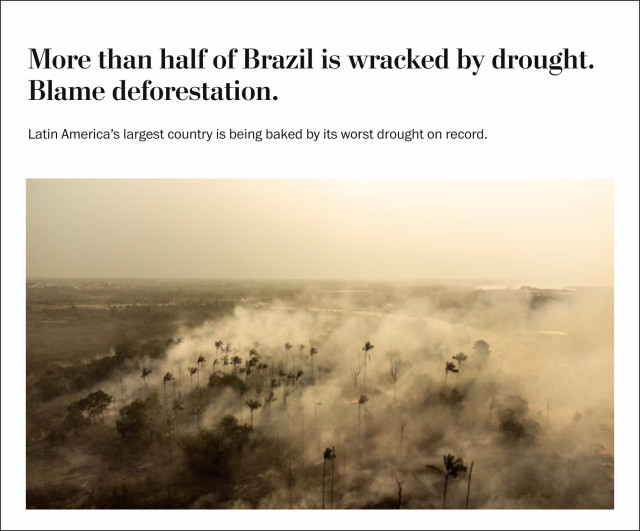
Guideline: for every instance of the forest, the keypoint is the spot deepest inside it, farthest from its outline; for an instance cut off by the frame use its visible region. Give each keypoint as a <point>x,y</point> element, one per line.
<point>317,395</point>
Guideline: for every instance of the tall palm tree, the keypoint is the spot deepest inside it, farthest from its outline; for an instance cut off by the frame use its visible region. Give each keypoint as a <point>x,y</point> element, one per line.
<point>236,360</point>
<point>167,378</point>
<point>199,405</point>
<point>145,372</point>
<point>227,348</point>
<point>252,404</point>
<point>218,344</point>
<point>469,485</point>
<point>287,347</point>
<point>459,357</point>
<point>177,406</point>
<point>449,367</point>
<point>192,371</point>
<point>312,352</point>
<point>361,402</point>
<point>329,454</point>
<point>394,371</point>
<point>452,468</point>
<point>367,347</point>
<point>315,414</point>
<point>201,360</point>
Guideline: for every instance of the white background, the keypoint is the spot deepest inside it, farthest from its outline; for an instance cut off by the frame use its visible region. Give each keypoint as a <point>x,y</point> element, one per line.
<point>580,124</point>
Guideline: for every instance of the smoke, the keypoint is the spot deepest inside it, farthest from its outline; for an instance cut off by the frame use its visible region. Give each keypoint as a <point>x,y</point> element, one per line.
<point>535,415</point>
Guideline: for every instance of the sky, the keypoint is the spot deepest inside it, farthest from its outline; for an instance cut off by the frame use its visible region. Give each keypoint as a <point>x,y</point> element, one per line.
<point>544,232</point>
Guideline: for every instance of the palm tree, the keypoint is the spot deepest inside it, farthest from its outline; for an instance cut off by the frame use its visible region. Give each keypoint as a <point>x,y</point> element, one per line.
<point>459,357</point>
<point>329,454</point>
<point>287,347</point>
<point>252,404</point>
<point>469,485</point>
<point>192,371</point>
<point>315,414</point>
<point>236,360</point>
<point>145,372</point>
<point>218,344</point>
<point>285,393</point>
<point>361,402</point>
<point>199,405</point>
<point>449,367</point>
<point>312,352</point>
<point>201,361</point>
<point>452,467</point>
<point>167,378</point>
<point>177,406</point>
<point>394,371</point>
<point>367,347</point>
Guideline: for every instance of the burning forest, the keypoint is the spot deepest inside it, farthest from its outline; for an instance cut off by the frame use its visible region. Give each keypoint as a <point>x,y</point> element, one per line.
<point>297,395</point>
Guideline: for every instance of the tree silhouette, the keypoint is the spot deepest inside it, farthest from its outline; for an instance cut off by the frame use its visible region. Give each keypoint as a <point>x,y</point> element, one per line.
<point>329,454</point>
<point>315,414</point>
<point>177,406</point>
<point>355,372</point>
<point>394,370</point>
<point>481,350</point>
<point>469,485</point>
<point>201,361</point>
<point>252,404</point>
<point>399,492</point>
<point>236,360</point>
<point>452,468</point>
<point>167,378</point>
<point>192,371</point>
<point>198,406</point>
<point>361,402</point>
<point>449,367</point>
<point>218,344</point>
<point>312,352</point>
<point>145,372</point>
<point>367,347</point>
<point>287,347</point>
<point>459,357</point>
<point>81,413</point>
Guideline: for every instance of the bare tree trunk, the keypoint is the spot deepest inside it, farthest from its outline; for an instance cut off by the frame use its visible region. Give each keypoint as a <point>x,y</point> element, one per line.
<point>324,467</point>
<point>365,372</point>
<point>444,494</point>
<point>333,457</point>
<point>469,485</point>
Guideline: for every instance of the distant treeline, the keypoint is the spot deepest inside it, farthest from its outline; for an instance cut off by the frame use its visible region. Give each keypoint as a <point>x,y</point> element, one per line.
<point>60,380</point>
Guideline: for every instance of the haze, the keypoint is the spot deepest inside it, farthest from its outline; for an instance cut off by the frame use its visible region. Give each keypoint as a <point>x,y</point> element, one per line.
<point>545,232</point>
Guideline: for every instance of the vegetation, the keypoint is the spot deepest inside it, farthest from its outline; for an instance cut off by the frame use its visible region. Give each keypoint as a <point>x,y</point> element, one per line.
<point>98,438</point>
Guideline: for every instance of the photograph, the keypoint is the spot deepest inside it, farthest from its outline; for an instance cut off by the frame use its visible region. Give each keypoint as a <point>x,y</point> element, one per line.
<point>336,343</point>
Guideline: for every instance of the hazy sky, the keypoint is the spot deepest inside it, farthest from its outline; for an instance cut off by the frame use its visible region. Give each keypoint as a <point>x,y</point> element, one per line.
<point>552,232</point>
